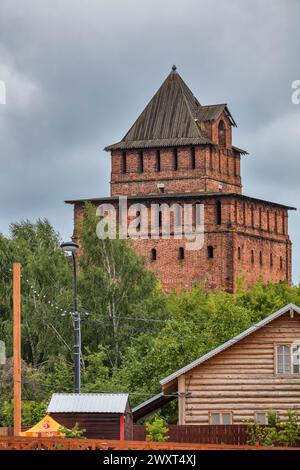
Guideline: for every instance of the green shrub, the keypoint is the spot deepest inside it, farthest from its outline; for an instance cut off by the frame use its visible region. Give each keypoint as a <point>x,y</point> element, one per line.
<point>75,432</point>
<point>283,433</point>
<point>157,430</point>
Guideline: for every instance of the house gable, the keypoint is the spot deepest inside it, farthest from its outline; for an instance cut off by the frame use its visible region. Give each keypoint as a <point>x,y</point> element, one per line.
<point>241,379</point>
<point>231,342</point>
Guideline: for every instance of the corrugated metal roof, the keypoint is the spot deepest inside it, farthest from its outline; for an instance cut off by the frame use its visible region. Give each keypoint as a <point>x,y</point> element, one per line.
<point>150,406</point>
<point>229,343</point>
<point>88,403</point>
<point>171,118</point>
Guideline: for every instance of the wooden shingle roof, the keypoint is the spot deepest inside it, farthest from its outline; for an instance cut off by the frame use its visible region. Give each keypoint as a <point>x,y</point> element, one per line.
<point>171,118</point>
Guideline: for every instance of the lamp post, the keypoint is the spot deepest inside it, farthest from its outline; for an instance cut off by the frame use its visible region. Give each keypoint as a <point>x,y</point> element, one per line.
<point>71,247</point>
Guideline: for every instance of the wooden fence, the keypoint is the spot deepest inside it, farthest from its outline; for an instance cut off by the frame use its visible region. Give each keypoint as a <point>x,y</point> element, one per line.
<point>234,434</point>
<point>61,443</point>
<point>6,432</point>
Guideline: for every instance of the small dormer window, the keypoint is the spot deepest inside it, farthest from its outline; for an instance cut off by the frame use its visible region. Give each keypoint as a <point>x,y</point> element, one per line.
<point>222,134</point>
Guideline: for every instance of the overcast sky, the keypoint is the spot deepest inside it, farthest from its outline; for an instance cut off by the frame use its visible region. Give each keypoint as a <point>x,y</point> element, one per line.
<point>78,73</point>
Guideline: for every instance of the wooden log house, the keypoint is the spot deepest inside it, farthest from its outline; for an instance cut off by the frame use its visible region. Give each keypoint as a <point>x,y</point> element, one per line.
<point>244,378</point>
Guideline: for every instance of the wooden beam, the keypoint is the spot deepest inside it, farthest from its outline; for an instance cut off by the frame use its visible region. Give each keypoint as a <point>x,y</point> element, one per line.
<point>181,399</point>
<point>17,346</point>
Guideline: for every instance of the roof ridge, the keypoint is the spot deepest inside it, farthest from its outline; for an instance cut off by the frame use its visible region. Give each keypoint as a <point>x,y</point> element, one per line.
<point>210,105</point>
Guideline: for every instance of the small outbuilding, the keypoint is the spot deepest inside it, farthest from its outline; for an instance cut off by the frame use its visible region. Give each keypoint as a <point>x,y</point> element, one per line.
<point>102,415</point>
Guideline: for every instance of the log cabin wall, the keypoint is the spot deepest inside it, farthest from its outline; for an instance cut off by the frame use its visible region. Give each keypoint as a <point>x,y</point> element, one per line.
<point>243,380</point>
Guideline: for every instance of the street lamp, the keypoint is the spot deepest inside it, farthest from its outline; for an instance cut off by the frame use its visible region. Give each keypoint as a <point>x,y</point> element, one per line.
<point>71,247</point>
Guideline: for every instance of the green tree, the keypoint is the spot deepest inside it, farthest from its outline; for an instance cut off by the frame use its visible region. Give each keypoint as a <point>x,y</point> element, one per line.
<point>197,322</point>
<point>32,412</point>
<point>116,287</point>
<point>46,289</point>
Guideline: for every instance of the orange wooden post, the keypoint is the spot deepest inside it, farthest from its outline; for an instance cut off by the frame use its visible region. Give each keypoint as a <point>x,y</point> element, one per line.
<point>17,346</point>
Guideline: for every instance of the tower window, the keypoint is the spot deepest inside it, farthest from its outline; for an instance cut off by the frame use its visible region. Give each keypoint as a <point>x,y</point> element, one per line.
<point>124,162</point>
<point>252,216</point>
<point>210,251</point>
<point>175,156</point>
<point>236,211</point>
<point>268,220</point>
<point>244,213</point>
<point>141,162</point>
<point>275,223</point>
<point>271,260</point>
<point>157,160</point>
<point>222,134</point>
<point>193,158</point>
<point>280,262</point>
<point>153,254</point>
<point>260,258</point>
<point>138,225</point>
<point>252,256</point>
<point>239,252</point>
<point>160,219</point>
<point>283,223</point>
<point>260,218</point>
<point>218,213</point>
<point>181,253</point>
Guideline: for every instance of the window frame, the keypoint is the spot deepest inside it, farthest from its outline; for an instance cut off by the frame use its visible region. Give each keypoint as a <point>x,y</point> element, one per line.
<point>261,413</point>
<point>221,413</point>
<point>291,347</point>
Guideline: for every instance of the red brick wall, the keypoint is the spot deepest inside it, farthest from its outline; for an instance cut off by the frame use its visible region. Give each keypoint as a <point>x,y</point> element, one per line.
<point>233,242</point>
<point>215,170</point>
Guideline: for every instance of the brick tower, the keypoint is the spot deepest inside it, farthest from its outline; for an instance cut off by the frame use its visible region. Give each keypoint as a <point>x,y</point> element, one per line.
<point>179,150</point>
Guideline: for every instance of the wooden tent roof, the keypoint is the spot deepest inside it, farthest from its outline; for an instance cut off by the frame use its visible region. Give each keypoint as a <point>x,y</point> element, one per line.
<point>172,117</point>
